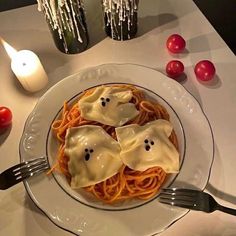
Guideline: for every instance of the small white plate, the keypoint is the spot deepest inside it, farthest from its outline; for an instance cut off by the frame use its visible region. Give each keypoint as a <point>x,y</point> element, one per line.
<point>76,211</point>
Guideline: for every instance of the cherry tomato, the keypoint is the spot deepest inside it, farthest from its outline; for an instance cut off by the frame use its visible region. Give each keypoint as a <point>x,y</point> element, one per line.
<point>204,70</point>
<point>5,117</point>
<point>175,43</point>
<point>174,68</point>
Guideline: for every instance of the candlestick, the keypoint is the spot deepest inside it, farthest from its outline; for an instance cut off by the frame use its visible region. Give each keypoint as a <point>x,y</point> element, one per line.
<point>28,69</point>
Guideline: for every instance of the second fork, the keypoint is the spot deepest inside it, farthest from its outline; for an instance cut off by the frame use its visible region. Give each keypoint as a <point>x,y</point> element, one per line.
<point>22,171</point>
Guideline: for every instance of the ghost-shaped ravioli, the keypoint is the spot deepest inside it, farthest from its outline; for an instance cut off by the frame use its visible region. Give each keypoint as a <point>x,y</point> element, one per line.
<point>94,156</point>
<point>108,105</point>
<point>147,146</point>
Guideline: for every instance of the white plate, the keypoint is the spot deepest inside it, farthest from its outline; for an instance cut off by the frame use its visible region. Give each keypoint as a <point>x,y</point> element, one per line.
<point>81,215</point>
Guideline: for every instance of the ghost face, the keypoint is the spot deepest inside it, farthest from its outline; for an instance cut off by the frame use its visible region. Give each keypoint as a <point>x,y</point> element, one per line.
<point>94,156</point>
<point>109,106</point>
<point>147,146</point>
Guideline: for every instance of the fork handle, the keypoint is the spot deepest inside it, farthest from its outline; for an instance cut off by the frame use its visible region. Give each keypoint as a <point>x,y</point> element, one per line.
<point>226,209</point>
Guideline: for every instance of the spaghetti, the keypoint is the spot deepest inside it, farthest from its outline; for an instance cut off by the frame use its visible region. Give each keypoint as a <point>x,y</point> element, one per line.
<point>126,183</point>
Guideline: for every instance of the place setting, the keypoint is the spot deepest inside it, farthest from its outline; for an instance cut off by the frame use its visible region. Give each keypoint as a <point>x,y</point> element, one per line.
<point>117,148</point>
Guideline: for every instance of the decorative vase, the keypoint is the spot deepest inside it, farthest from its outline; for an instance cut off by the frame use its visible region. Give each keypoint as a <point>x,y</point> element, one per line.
<point>120,18</point>
<point>66,21</point>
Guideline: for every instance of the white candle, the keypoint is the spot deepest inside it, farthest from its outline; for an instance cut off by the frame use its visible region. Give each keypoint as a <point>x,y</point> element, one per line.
<point>29,71</point>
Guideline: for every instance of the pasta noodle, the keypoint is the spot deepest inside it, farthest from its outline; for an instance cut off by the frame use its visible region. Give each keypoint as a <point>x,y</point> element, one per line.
<point>126,183</point>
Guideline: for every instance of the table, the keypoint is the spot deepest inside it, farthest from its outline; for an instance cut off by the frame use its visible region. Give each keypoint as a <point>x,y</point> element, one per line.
<point>25,28</point>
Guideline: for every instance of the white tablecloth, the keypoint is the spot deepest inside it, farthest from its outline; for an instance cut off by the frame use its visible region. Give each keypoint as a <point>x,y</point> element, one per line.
<point>25,28</point>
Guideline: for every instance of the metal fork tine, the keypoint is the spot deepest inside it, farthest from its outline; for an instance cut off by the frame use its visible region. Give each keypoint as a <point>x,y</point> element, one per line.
<point>178,203</point>
<point>37,170</point>
<point>21,171</point>
<point>16,167</point>
<point>32,170</point>
<point>29,167</point>
<point>26,164</point>
<point>178,191</point>
<point>177,197</point>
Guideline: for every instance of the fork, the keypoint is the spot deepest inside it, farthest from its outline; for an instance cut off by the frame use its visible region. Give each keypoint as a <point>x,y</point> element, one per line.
<point>22,171</point>
<point>192,199</point>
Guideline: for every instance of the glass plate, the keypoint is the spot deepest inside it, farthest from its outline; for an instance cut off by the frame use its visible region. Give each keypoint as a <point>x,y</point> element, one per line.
<point>76,211</point>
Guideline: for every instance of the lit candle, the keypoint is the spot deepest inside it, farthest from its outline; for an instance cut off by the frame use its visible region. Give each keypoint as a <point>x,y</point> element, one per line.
<point>28,69</point>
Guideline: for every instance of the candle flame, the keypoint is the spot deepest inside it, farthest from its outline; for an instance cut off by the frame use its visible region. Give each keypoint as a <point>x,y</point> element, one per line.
<point>9,49</point>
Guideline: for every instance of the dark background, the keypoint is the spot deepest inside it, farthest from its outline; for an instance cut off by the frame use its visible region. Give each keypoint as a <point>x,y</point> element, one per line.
<point>220,13</point>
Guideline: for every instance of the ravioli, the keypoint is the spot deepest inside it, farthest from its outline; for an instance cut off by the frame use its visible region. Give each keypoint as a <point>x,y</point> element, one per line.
<point>143,147</point>
<point>108,105</point>
<point>94,156</point>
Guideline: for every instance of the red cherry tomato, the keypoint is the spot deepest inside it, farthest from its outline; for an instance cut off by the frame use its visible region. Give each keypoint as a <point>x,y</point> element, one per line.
<point>174,68</point>
<point>204,70</point>
<point>5,117</point>
<point>175,43</point>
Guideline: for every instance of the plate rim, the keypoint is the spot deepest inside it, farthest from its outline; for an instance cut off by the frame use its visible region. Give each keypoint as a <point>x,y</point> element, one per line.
<point>26,185</point>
